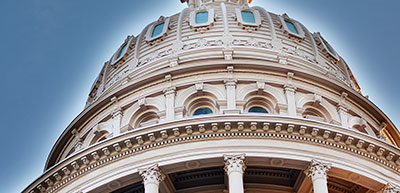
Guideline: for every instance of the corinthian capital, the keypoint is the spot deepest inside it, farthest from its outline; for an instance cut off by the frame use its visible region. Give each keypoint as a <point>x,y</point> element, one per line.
<point>318,169</point>
<point>151,175</point>
<point>390,188</point>
<point>234,163</point>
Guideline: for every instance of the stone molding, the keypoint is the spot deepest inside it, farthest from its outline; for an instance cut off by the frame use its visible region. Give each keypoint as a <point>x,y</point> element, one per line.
<point>290,129</point>
<point>234,163</point>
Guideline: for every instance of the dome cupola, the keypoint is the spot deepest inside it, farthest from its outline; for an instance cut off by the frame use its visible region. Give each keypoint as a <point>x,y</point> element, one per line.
<point>225,96</point>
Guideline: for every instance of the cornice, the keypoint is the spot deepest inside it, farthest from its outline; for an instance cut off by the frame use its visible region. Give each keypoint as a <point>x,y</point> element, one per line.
<point>215,128</point>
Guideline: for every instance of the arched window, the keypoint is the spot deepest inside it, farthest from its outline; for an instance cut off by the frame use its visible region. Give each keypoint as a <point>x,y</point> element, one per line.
<point>202,17</point>
<point>146,119</point>
<point>144,114</point>
<point>202,111</point>
<point>291,27</point>
<point>248,17</point>
<point>257,109</point>
<point>157,30</point>
<point>314,114</point>
<point>203,104</point>
<point>99,136</point>
<point>260,104</point>
<point>102,139</point>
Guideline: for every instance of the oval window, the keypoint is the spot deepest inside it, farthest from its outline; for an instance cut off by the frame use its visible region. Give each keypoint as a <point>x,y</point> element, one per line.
<point>291,27</point>
<point>158,29</point>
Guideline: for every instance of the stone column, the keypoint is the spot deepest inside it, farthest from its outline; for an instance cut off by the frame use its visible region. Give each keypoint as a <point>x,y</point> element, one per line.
<point>317,171</point>
<point>234,168</point>
<point>390,188</point>
<point>169,103</point>
<point>152,177</point>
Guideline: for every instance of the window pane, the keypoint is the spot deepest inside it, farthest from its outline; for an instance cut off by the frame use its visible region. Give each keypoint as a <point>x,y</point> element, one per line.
<point>202,111</point>
<point>257,110</point>
<point>329,47</point>
<point>157,30</point>
<point>123,50</point>
<point>201,17</point>
<point>291,27</point>
<point>248,17</point>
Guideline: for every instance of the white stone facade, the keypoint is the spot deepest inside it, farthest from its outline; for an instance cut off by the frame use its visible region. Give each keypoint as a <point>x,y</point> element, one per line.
<point>139,126</point>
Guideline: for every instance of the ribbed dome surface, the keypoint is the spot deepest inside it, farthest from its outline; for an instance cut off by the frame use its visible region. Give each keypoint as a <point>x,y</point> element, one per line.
<point>269,39</point>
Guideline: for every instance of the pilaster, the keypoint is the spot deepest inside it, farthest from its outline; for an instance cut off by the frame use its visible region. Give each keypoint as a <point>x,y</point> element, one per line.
<point>169,93</point>
<point>230,85</point>
<point>290,92</point>
<point>79,140</point>
<point>342,110</point>
<point>116,116</point>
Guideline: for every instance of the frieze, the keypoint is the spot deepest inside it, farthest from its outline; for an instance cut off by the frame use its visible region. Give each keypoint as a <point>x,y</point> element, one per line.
<point>252,43</point>
<point>202,43</point>
<point>298,53</point>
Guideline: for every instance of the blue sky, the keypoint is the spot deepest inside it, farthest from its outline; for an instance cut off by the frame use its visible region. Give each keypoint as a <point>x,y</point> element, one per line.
<point>52,50</point>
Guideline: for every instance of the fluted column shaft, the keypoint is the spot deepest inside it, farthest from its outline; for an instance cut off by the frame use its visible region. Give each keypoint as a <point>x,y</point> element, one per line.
<point>234,167</point>
<point>317,171</point>
<point>152,177</point>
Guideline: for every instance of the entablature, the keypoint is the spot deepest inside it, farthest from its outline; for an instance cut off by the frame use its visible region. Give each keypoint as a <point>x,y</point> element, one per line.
<point>220,127</point>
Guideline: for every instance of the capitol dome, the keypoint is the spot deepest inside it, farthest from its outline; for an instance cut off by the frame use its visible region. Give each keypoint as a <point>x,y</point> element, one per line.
<point>225,97</point>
